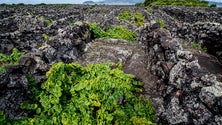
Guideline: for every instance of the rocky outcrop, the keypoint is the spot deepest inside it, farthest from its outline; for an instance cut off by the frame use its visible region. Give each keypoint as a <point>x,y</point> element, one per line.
<point>193,14</point>
<point>207,34</point>
<point>191,94</point>
<point>201,25</point>
<point>67,44</point>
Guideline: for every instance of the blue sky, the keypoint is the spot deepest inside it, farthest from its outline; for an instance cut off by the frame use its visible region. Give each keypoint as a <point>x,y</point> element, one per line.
<point>55,1</point>
<point>43,1</point>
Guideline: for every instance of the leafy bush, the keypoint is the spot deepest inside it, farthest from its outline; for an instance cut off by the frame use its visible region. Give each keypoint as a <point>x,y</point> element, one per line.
<point>46,37</point>
<point>95,94</point>
<point>119,32</point>
<point>139,18</point>
<point>49,22</point>
<point>213,5</point>
<point>125,16</point>
<point>9,60</point>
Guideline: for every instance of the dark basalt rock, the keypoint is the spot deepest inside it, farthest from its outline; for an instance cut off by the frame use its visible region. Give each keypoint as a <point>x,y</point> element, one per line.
<point>184,84</point>
<point>66,44</point>
<point>192,95</point>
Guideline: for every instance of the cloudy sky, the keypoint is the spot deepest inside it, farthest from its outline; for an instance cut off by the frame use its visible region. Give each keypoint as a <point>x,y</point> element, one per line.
<point>43,1</point>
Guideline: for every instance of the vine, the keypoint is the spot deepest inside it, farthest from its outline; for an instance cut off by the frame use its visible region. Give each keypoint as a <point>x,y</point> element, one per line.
<point>95,94</point>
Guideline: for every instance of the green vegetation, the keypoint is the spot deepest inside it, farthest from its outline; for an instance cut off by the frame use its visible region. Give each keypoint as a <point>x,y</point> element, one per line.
<point>189,3</point>
<point>102,14</point>
<point>139,18</point>
<point>4,4</point>
<point>9,60</point>
<point>125,16</point>
<point>162,25</point>
<point>93,95</point>
<point>46,37</point>
<point>197,46</point>
<point>119,32</point>
<point>42,17</point>
<point>49,22</point>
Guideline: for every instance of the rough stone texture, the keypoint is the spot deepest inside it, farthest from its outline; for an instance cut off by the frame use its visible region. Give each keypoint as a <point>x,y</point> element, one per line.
<point>132,55</point>
<point>191,94</point>
<point>66,44</point>
<point>202,25</point>
<point>184,84</point>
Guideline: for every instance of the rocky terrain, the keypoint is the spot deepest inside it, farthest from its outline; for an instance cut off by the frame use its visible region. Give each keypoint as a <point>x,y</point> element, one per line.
<point>183,83</point>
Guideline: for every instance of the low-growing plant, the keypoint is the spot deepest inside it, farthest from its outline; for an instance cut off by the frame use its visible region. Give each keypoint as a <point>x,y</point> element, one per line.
<point>49,22</point>
<point>46,37</point>
<point>9,60</point>
<point>119,32</point>
<point>150,9</point>
<point>162,24</point>
<point>102,14</point>
<point>197,46</point>
<point>125,16</point>
<point>139,18</point>
<point>93,95</point>
<point>42,17</point>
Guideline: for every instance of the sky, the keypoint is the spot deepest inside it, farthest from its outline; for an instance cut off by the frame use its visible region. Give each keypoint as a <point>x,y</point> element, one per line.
<point>55,1</point>
<point>44,1</point>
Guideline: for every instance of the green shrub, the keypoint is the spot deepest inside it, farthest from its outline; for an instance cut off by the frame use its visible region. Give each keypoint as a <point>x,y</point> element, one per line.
<point>139,18</point>
<point>49,22</point>
<point>162,25</point>
<point>213,5</point>
<point>91,95</point>
<point>119,32</point>
<point>46,37</point>
<point>4,4</point>
<point>9,60</point>
<point>148,2</point>
<point>125,16</point>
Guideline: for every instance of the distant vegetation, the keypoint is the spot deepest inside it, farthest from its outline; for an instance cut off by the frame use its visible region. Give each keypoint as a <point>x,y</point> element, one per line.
<point>137,16</point>
<point>93,95</point>
<point>125,16</point>
<point>189,3</point>
<point>119,32</point>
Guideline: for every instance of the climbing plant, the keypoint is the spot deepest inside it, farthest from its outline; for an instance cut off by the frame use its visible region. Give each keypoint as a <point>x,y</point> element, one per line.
<point>6,60</point>
<point>119,32</point>
<point>98,94</point>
